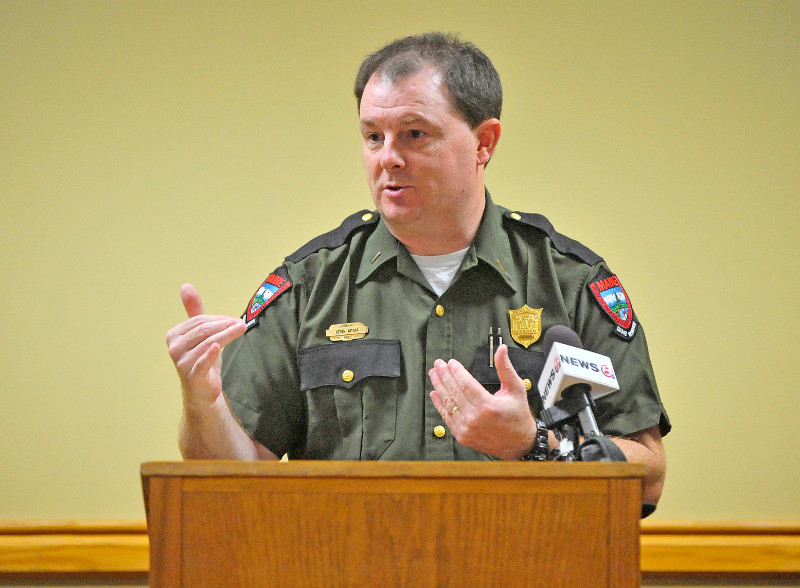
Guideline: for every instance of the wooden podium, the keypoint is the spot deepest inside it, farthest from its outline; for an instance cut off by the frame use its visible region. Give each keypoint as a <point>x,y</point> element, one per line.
<point>387,524</point>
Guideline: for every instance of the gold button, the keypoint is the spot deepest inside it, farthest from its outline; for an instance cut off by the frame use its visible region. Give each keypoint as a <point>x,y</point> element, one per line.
<point>528,383</point>
<point>347,376</point>
<point>515,216</point>
<point>366,217</point>
<point>439,310</point>
<point>439,431</point>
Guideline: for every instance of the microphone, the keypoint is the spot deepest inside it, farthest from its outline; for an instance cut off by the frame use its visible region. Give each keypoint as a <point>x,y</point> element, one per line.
<point>572,378</point>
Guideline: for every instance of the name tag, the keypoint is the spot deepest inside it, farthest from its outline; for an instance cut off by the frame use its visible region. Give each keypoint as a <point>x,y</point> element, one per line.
<point>347,331</point>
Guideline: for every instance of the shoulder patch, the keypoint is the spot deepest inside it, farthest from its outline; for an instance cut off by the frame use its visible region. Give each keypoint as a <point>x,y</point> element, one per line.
<point>612,298</point>
<point>337,236</point>
<point>561,242</point>
<point>276,284</point>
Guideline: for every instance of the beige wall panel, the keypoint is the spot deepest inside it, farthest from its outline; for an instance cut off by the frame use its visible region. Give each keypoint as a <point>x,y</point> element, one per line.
<point>146,144</point>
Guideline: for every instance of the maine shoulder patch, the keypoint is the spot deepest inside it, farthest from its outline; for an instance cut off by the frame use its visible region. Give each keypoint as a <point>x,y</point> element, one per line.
<point>273,286</point>
<point>612,298</point>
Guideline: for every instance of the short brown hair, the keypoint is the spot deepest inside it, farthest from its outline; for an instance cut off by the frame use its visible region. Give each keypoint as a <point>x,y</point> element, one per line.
<point>471,79</point>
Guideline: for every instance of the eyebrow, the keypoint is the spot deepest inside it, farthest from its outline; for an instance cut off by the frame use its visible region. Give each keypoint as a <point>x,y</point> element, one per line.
<point>411,118</point>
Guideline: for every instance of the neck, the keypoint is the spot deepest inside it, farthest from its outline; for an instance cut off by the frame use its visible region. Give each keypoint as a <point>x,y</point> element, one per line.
<point>440,239</point>
<point>441,244</point>
<point>444,230</point>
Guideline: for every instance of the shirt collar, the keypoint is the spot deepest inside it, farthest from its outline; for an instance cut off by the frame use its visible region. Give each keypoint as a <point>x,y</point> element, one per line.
<point>490,246</point>
<point>381,247</point>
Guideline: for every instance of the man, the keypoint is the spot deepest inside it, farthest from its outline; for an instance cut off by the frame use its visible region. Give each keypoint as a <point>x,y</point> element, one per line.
<point>371,341</point>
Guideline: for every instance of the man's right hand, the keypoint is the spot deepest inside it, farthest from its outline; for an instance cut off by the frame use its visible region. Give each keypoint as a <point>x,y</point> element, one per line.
<point>209,430</point>
<point>195,347</point>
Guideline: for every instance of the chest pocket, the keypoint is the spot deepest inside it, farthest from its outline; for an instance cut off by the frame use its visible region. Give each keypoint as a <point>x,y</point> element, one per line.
<point>358,382</point>
<point>528,364</point>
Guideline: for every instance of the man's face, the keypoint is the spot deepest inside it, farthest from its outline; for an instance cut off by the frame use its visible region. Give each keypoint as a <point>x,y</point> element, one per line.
<point>420,156</point>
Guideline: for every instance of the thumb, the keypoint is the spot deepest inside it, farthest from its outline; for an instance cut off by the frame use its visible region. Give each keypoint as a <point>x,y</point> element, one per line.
<point>191,300</point>
<point>509,379</point>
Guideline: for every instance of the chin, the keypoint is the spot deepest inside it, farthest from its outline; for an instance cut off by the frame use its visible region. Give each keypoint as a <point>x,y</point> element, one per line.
<point>397,219</point>
<point>397,212</point>
<point>392,210</point>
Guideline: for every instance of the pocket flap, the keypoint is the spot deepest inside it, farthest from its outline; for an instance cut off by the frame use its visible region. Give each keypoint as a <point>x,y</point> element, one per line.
<point>326,365</point>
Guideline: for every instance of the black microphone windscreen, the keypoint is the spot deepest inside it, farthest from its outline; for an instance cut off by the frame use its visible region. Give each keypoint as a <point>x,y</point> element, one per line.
<point>560,334</point>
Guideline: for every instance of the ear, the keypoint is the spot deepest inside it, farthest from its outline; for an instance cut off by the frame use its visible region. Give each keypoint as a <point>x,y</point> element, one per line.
<point>488,134</point>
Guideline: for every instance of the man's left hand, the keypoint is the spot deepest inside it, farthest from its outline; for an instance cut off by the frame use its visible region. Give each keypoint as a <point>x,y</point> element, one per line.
<point>499,424</point>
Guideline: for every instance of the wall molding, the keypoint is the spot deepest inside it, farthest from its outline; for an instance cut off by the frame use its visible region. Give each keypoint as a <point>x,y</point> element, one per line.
<point>118,550</point>
<point>113,551</point>
<point>721,547</point>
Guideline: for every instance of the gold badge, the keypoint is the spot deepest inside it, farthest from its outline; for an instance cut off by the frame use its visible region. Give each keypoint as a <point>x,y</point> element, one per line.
<point>347,331</point>
<point>526,325</point>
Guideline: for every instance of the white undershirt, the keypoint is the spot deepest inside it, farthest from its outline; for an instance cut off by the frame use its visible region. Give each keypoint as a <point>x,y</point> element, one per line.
<point>440,270</point>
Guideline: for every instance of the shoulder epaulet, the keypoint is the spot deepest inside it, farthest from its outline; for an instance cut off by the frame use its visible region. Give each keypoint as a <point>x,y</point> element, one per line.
<point>561,242</point>
<point>337,236</point>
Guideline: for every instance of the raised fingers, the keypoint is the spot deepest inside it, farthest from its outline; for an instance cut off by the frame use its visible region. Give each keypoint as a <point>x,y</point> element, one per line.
<point>509,379</point>
<point>206,360</point>
<point>462,386</point>
<point>220,330</point>
<point>443,397</point>
<point>192,323</point>
<point>191,300</point>
<point>190,340</point>
<point>195,347</point>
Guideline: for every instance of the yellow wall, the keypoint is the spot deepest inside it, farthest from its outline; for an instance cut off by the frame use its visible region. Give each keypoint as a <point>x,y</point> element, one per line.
<point>145,144</point>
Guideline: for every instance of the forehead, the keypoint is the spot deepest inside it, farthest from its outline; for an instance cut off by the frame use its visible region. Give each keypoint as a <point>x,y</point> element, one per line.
<point>418,95</point>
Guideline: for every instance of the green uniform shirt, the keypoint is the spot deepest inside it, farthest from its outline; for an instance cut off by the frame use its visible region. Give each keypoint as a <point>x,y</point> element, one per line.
<point>298,392</point>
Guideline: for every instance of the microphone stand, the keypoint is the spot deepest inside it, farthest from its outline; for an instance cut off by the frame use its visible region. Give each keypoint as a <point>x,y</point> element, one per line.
<point>572,415</point>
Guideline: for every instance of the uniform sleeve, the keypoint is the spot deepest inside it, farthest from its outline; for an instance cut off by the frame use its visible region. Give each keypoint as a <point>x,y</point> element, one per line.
<point>259,370</point>
<point>637,404</point>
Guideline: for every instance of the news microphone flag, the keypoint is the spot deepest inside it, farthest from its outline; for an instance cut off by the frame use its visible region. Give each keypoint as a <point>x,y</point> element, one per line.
<point>567,365</point>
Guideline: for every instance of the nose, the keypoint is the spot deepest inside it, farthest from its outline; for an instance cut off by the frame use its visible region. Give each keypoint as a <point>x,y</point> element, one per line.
<point>391,157</point>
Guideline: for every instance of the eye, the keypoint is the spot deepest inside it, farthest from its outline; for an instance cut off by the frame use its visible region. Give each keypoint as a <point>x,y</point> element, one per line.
<point>416,134</point>
<point>372,137</point>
